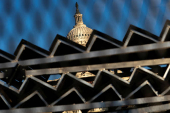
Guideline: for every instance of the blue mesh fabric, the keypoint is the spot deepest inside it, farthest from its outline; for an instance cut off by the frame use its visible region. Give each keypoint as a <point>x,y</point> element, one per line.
<point>38,21</point>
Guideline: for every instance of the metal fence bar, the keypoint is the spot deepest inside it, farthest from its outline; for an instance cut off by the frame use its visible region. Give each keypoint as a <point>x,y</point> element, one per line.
<point>98,66</point>
<point>101,53</point>
<point>60,108</point>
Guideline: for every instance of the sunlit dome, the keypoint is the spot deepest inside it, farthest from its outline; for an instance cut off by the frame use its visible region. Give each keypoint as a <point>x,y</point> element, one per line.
<point>80,33</point>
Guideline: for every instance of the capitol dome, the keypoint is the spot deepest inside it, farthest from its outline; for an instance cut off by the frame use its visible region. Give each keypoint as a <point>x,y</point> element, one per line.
<point>80,33</point>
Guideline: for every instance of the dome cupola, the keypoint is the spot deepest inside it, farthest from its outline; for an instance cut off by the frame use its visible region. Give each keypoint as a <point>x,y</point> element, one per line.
<point>80,33</point>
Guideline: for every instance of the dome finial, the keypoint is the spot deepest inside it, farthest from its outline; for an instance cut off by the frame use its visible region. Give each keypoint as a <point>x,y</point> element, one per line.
<point>77,8</point>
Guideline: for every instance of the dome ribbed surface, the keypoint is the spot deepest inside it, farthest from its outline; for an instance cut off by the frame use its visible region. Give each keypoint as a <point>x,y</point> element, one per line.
<point>80,35</point>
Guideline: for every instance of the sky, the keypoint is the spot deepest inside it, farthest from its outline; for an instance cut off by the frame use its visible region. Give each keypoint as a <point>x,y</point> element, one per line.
<point>39,21</point>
